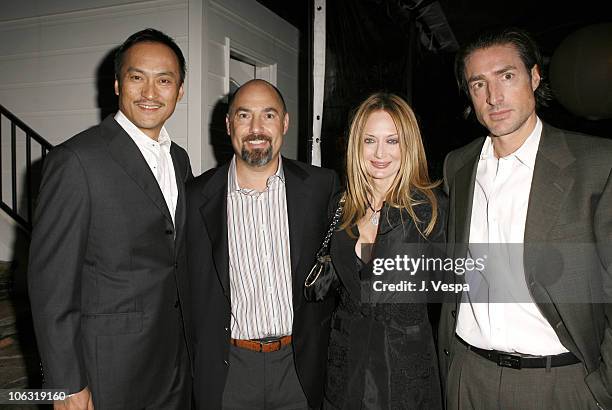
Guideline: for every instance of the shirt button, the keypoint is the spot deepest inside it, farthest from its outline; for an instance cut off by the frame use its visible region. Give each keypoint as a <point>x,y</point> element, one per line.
<point>226,362</point>
<point>446,352</point>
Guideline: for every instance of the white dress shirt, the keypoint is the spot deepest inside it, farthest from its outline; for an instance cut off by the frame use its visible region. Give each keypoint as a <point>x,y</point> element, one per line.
<point>157,155</point>
<point>499,213</point>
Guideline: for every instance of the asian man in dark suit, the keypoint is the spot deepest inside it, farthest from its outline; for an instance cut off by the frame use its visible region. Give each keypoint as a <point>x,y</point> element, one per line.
<point>254,227</point>
<point>549,192</point>
<point>107,265</point>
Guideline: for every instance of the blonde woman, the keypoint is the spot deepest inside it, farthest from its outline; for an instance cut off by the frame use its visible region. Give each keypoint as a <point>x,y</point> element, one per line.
<point>381,352</point>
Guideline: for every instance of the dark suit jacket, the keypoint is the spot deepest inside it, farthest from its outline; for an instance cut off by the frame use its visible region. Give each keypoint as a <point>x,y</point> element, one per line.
<point>570,202</point>
<point>309,193</point>
<point>107,269</point>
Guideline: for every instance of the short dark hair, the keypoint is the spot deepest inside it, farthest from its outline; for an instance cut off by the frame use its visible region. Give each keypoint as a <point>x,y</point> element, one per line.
<point>149,35</point>
<point>276,90</point>
<point>525,46</point>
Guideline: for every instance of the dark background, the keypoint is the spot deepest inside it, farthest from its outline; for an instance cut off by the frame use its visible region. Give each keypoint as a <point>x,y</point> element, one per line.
<point>392,45</point>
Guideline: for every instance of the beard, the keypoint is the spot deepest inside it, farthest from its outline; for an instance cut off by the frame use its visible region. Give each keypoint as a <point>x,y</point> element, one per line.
<point>256,157</point>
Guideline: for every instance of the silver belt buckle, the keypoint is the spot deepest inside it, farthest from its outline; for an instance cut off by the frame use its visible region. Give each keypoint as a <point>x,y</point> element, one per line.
<point>508,360</point>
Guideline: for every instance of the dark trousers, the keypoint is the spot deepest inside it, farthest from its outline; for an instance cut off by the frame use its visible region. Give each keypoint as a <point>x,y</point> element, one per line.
<point>477,383</point>
<point>258,380</point>
<point>176,395</point>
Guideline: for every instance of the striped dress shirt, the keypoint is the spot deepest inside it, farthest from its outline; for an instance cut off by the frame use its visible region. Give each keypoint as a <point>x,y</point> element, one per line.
<point>259,258</point>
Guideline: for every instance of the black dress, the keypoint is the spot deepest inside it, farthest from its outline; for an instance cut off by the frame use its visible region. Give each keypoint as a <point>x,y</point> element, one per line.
<point>381,353</point>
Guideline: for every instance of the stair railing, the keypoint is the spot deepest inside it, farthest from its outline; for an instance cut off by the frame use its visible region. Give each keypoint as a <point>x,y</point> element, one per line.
<point>19,212</point>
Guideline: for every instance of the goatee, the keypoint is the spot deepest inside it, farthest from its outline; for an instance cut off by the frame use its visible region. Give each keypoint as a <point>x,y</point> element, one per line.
<point>257,157</point>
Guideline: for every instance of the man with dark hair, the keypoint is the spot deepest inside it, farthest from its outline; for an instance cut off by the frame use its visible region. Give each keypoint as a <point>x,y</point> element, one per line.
<point>255,225</point>
<point>543,196</point>
<point>107,260</point>
<point>150,35</point>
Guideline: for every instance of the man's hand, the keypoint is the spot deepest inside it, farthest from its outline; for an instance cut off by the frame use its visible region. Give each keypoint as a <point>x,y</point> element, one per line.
<point>78,401</point>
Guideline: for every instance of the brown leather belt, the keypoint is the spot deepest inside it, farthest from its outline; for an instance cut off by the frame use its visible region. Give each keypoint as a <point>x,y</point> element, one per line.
<point>262,346</point>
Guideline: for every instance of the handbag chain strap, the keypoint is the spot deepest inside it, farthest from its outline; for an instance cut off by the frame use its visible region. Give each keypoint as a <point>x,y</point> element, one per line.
<point>330,231</point>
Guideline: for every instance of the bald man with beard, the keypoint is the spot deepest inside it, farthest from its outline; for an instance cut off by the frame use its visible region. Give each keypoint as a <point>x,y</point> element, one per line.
<point>254,227</point>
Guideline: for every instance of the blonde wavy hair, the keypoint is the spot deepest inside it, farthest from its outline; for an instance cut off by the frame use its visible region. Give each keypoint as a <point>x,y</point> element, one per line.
<point>412,176</point>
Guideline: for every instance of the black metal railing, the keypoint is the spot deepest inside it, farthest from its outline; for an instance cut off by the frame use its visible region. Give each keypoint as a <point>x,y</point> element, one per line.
<point>20,209</point>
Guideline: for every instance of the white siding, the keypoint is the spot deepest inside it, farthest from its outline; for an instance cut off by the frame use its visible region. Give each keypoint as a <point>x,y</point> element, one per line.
<point>51,52</point>
<point>253,30</point>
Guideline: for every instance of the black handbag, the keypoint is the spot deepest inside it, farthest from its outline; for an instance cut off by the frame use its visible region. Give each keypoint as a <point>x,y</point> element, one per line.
<point>323,277</point>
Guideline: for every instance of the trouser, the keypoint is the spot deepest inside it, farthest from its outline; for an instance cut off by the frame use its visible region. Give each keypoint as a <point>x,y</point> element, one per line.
<point>258,380</point>
<point>477,383</point>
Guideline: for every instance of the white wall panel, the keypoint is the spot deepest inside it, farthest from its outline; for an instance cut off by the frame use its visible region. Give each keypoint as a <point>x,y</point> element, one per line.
<point>28,8</point>
<point>255,17</point>
<point>101,26</point>
<point>260,43</point>
<point>216,58</point>
<point>41,69</point>
<point>288,85</point>
<point>215,89</point>
<point>51,60</point>
<point>55,123</point>
<point>259,34</point>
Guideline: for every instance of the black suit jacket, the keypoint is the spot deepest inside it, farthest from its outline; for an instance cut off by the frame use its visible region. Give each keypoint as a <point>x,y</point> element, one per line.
<point>570,202</point>
<point>309,193</point>
<point>107,271</point>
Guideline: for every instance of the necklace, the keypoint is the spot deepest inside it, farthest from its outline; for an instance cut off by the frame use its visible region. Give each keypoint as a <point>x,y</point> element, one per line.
<point>375,215</point>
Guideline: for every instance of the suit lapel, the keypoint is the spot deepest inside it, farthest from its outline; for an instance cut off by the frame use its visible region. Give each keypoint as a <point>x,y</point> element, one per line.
<point>214,213</point>
<point>462,191</point>
<point>179,172</point>
<point>125,152</point>
<point>297,192</point>
<point>550,185</point>
<point>549,189</point>
<point>463,194</point>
